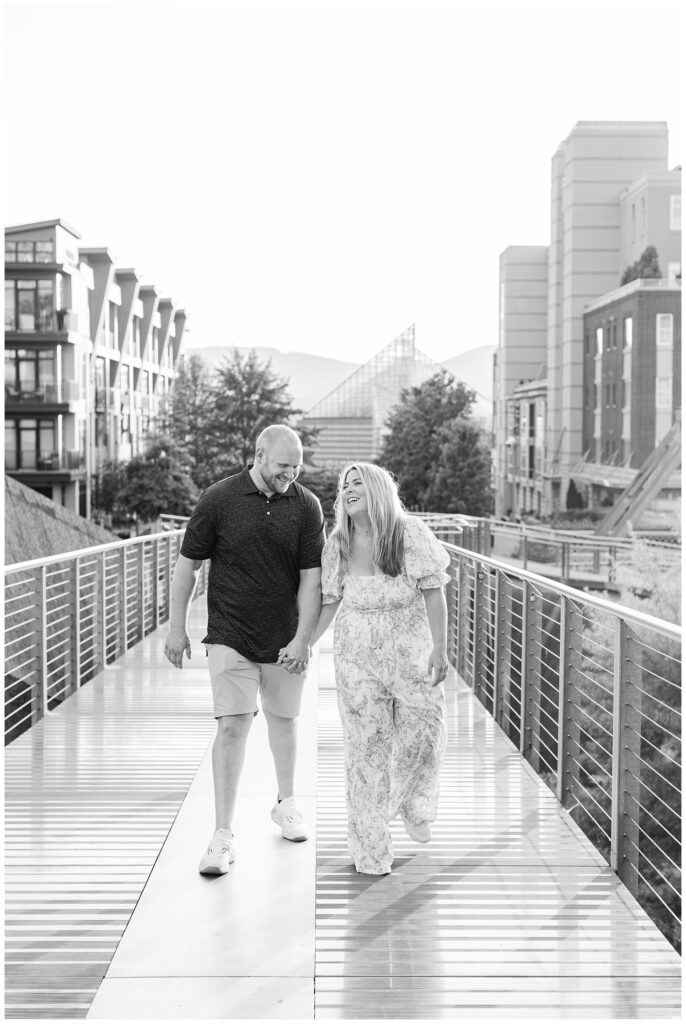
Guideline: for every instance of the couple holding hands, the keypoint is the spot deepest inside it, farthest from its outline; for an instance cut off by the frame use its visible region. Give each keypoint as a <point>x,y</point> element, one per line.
<point>275,585</point>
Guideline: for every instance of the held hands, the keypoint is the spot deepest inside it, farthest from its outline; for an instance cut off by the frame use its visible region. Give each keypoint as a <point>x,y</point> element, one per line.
<point>294,657</point>
<point>176,645</point>
<point>438,665</point>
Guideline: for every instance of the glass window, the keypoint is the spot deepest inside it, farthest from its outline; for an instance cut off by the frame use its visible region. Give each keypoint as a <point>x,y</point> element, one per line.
<point>10,307</point>
<point>26,305</point>
<point>46,304</point>
<point>664,329</point>
<point>628,332</point>
<point>599,341</point>
<point>663,393</point>
<point>44,252</point>
<point>675,212</point>
<point>10,252</point>
<point>24,252</point>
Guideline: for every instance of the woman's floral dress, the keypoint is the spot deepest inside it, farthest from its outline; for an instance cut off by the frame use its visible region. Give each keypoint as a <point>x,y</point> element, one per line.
<point>393,718</point>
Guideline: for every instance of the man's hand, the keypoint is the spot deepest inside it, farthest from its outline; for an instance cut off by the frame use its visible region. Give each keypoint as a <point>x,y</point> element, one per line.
<point>438,665</point>
<point>294,656</point>
<point>176,645</point>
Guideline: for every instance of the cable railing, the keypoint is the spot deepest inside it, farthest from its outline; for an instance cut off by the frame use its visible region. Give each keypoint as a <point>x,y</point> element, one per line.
<point>69,616</point>
<point>566,554</point>
<point>590,692</point>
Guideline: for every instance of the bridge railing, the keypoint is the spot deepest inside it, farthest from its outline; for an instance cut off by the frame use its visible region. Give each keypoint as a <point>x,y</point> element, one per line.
<point>567,554</point>
<point>70,615</point>
<point>589,691</point>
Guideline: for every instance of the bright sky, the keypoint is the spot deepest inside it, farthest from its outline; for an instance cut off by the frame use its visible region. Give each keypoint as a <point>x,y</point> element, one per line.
<point>318,176</point>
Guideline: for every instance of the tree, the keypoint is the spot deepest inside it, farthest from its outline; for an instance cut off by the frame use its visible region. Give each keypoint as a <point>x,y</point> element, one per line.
<point>412,447</point>
<point>148,485</point>
<point>574,499</point>
<point>647,265</point>
<point>247,396</point>
<point>189,418</point>
<point>462,481</point>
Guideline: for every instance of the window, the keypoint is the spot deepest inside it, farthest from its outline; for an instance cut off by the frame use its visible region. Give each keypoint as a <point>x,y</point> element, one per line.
<point>628,332</point>
<point>675,212</point>
<point>29,305</point>
<point>663,393</point>
<point>30,444</point>
<point>29,252</point>
<point>614,394</point>
<point>664,330</point>
<point>599,341</point>
<point>30,373</point>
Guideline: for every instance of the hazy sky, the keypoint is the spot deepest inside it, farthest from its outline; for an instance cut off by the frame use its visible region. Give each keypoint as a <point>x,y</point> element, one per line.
<point>318,176</point>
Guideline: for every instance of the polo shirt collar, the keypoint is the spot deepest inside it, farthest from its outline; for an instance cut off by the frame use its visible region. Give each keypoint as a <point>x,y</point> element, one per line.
<point>249,486</point>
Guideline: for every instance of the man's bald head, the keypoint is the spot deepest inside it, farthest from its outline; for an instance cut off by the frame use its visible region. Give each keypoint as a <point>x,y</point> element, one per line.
<point>273,434</point>
<point>278,459</point>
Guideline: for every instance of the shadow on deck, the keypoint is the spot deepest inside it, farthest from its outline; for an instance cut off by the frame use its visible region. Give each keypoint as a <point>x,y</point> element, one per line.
<point>509,912</point>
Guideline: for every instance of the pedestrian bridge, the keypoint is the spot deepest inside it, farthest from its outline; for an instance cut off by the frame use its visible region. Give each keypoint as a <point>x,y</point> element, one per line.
<point>517,908</point>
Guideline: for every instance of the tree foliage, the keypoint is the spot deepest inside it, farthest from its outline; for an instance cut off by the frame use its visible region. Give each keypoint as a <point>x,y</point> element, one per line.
<point>149,484</point>
<point>188,420</point>
<point>427,437</point>
<point>462,482</point>
<point>647,265</point>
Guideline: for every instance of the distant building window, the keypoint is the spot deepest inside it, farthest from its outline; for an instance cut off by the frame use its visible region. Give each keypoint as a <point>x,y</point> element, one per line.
<point>628,332</point>
<point>29,443</point>
<point>599,341</point>
<point>29,252</point>
<point>29,305</point>
<point>663,393</point>
<point>675,212</point>
<point>664,330</point>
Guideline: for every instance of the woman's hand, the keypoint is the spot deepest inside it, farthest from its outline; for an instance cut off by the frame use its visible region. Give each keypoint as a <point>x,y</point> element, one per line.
<point>438,665</point>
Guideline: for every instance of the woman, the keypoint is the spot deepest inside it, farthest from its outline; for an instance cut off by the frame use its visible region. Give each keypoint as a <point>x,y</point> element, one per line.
<point>383,572</point>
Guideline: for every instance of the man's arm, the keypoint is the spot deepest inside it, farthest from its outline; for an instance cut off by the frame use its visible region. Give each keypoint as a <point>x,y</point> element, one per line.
<point>296,654</point>
<point>178,641</point>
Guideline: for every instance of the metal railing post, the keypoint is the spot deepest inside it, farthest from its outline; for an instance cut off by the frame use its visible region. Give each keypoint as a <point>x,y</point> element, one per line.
<point>141,589</point>
<point>124,600</point>
<point>524,718</point>
<point>626,740</point>
<point>76,625</point>
<point>498,629</point>
<point>477,629</point>
<point>103,607</point>
<point>571,626</point>
<point>155,582</point>
<point>43,643</point>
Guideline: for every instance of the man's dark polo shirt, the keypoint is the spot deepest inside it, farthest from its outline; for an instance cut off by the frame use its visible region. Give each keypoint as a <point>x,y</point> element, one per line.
<point>257,547</point>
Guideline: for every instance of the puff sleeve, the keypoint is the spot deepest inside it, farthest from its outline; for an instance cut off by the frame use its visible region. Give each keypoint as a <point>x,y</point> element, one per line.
<point>333,573</point>
<point>425,557</point>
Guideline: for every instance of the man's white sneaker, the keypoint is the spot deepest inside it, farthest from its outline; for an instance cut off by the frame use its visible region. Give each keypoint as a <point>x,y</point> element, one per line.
<point>290,820</point>
<point>421,832</point>
<point>218,856</point>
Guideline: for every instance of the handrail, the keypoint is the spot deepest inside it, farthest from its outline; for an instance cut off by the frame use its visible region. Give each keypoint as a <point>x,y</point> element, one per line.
<point>588,690</point>
<point>633,615</point>
<point>114,545</point>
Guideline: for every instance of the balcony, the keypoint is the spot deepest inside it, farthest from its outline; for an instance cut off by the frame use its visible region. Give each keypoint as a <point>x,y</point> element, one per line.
<point>55,393</point>
<point>59,322</point>
<point>72,459</point>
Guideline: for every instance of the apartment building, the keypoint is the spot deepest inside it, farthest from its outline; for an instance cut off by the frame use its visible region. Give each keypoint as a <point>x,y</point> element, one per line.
<point>612,196</point>
<point>89,356</point>
<point>632,382</point>
<point>521,357</point>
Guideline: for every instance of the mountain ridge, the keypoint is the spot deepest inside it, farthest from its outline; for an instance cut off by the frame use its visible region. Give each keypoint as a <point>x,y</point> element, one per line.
<point>311,377</point>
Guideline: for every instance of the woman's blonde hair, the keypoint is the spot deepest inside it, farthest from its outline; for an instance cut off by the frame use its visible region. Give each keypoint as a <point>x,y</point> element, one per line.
<point>385,511</point>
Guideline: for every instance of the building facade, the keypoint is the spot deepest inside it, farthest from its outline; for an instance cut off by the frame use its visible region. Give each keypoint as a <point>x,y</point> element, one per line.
<point>612,196</point>
<point>522,492</point>
<point>521,355</point>
<point>89,356</point>
<point>632,382</point>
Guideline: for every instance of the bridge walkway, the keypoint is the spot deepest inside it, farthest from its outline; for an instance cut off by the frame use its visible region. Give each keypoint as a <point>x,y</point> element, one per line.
<point>509,911</point>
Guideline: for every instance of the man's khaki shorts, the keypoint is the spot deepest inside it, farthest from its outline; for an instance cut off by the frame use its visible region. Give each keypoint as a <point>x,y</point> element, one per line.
<point>237,681</point>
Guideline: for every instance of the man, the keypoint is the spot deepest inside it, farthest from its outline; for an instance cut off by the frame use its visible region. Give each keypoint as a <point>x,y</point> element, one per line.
<point>263,534</point>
